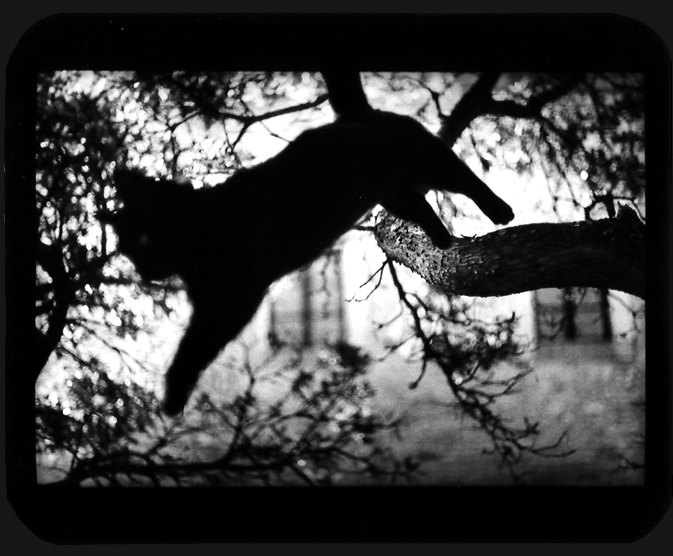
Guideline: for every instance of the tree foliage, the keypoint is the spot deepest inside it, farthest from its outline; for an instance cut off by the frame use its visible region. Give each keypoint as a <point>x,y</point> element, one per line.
<point>293,422</point>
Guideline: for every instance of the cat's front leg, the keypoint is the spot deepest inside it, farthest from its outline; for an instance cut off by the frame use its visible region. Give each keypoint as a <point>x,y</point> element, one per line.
<point>214,323</point>
<point>411,205</point>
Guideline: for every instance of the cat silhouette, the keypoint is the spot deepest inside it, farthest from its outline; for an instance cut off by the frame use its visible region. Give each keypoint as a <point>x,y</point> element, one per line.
<point>229,242</point>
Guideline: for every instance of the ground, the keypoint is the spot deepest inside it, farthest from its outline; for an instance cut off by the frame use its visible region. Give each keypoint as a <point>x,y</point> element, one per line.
<point>582,388</point>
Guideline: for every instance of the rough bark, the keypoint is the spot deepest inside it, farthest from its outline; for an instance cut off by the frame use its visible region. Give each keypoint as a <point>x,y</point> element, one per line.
<point>607,253</point>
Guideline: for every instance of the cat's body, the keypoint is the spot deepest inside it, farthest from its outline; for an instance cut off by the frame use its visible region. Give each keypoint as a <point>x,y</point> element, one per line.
<point>230,242</point>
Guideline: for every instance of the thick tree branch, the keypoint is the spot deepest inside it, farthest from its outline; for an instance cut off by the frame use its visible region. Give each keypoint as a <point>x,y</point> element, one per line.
<point>472,104</point>
<point>346,94</point>
<point>50,259</point>
<point>606,253</point>
<point>479,101</point>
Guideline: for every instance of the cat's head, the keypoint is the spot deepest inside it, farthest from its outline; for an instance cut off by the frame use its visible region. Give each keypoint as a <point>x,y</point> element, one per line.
<point>147,222</point>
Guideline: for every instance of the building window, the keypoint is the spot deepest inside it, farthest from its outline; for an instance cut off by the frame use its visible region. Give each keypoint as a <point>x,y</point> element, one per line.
<point>307,307</point>
<point>573,314</point>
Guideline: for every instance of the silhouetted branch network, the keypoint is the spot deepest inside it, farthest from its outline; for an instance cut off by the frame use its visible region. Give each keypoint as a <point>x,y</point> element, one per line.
<point>314,429</point>
<point>466,351</point>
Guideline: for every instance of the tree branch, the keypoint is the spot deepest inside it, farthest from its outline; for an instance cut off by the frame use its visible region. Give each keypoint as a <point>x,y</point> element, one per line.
<point>479,101</point>
<point>533,107</point>
<point>252,119</point>
<point>288,109</point>
<point>606,253</point>
<point>473,103</point>
<point>346,94</point>
<point>50,259</point>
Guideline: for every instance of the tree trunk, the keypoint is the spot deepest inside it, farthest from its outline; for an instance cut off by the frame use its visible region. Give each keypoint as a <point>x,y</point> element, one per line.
<point>50,258</point>
<point>607,253</point>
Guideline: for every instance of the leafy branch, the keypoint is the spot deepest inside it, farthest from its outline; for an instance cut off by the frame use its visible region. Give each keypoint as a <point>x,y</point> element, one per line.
<point>316,429</point>
<point>467,359</point>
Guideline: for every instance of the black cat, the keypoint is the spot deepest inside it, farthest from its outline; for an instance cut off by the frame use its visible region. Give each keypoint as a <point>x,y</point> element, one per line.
<point>228,243</point>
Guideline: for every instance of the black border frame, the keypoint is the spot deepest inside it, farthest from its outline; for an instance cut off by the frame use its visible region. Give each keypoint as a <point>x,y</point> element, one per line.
<point>347,514</point>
